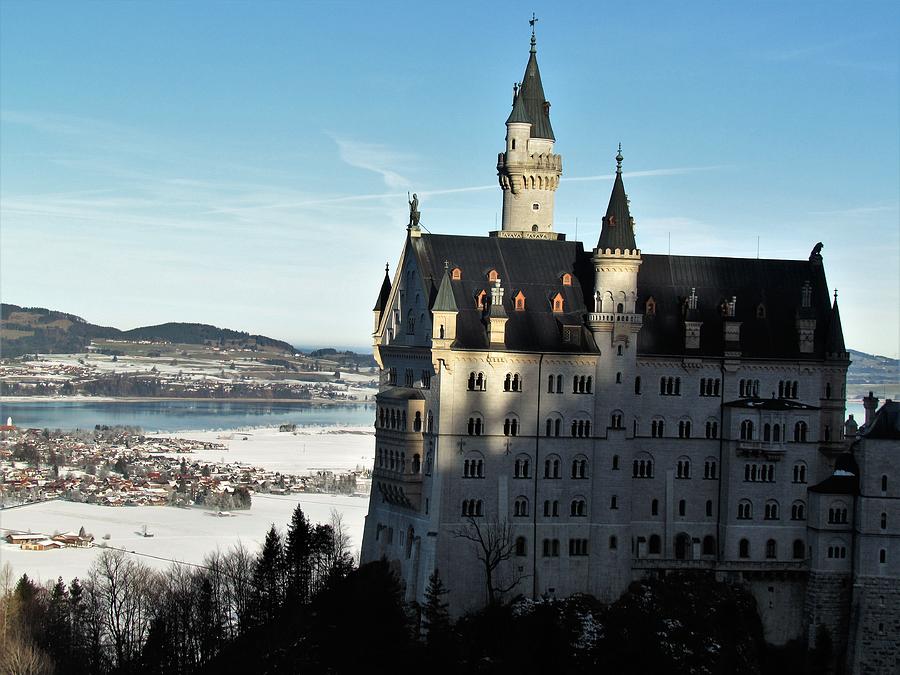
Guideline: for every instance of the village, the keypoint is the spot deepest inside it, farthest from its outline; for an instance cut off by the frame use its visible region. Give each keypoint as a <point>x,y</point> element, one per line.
<point>121,467</point>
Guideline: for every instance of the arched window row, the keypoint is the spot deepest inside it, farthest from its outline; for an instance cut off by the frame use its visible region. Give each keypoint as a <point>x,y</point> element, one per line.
<point>788,389</point>
<point>581,428</point>
<point>395,460</point>
<point>551,548</point>
<point>553,427</point>
<point>642,468</point>
<point>551,508</point>
<point>473,508</point>
<point>684,429</point>
<point>710,386</point>
<point>578,547</point>
<point>798,510</point>
<point>520,507</point>
<point>771,510</point>
<point>837,552</point>
<point>578,508</point>
<point>712,429</point>
<point>395,418</point>
<point>473,468</point>
<point>582,384</point>
<point>759,473</point>
<point>475,426</point>
<point>745,510</point>
<point>683,468</point>
<point>799,472</point>
<point>512,382</point>
<point>748,388</point>
<point>670,386</point>
<point>551,467</point>
<point>710,469</point>
<point>522,467</point>
<point>554,384</point>
<point>800,432</point>
<point>511,426</point>
<point>746,430</point>
<point>615,420</point>
<point>837,515</point>
<point>476,382</point>
<point>657,428</point>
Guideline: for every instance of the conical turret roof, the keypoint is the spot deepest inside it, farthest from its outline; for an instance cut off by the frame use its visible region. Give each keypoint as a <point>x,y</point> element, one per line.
<point>617,230</point>
<point>534,106</point>
<point>385,292</point>
<point>445,301</point>
<point>834,344</point>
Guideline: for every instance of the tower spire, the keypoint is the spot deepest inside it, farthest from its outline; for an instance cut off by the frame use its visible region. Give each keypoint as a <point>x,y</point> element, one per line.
<point>617,231</point>
<point>531,22</point>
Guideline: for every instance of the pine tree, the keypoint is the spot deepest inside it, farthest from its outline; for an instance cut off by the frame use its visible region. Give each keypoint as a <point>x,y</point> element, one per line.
<point>298,557</point>
<point>268,578</point>
<point>435,617</point>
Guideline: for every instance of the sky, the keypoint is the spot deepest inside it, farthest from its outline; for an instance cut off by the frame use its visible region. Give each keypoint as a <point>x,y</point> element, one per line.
<point>246,164</point>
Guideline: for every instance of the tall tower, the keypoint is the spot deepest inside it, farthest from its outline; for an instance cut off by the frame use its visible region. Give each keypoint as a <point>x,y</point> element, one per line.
<point>529,171</point>
<point>616,262</point>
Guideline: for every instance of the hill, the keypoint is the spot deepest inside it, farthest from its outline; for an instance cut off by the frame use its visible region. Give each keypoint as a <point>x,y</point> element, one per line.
<point>30,330</point>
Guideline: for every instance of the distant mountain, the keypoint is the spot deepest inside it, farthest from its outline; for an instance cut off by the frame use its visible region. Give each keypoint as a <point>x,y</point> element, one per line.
<point>30,330</point>
<point>872,369</point>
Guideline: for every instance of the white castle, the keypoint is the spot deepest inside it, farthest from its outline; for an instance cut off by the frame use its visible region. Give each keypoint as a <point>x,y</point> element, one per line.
<point>590,417</point>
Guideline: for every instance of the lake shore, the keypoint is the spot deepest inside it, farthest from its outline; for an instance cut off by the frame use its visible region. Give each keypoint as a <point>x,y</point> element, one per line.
<point>141,399</point>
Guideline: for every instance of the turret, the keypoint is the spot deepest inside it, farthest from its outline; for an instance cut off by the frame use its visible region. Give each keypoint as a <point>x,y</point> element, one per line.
<point>528,170</point>
<point>383,296</point>
<point>497,317</point>
<point>616,263</point>
<point>444,313</point>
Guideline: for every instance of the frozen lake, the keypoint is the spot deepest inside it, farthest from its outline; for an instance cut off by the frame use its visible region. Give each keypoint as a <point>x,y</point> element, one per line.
<point>186,535</point>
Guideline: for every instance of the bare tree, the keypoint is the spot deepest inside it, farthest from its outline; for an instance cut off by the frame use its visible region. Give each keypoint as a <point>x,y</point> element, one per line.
<point>494,545</point>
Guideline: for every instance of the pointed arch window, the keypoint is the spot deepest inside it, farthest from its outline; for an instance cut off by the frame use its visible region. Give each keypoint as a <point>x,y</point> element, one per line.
<point>520,301</point>
<point>493,276</point>
<point>456,274</point>
<point>558,303</point>
<point>566,279</point>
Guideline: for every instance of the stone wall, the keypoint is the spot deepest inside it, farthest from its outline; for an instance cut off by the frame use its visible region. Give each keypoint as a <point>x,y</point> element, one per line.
<point>827,604</point>
<point>875,626</point>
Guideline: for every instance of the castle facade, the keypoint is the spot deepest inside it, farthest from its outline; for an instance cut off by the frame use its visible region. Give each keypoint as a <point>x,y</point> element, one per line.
<point>555,420</point>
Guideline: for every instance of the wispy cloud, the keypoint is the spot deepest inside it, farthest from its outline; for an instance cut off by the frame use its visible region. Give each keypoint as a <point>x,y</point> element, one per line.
<point>378,158</point>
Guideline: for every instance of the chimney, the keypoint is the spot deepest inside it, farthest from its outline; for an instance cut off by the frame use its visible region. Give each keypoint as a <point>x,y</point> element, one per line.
<point>870,403</point>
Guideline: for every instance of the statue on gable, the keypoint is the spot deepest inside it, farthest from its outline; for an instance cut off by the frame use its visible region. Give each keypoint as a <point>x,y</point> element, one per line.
<point>816,253</point>
<point>413,212</point>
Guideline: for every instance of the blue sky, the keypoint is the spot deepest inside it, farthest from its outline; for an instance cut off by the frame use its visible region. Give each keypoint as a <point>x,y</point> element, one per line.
<point>246,163</point>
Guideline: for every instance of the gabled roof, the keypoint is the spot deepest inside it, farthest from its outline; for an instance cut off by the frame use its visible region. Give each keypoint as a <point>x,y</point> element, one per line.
<point>536,107</point>
<point>839,483</point>
<point>384,294</point>
<point>617,231</point>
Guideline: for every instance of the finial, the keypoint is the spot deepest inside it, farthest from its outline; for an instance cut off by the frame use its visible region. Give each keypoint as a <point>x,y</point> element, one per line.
<point>619,159</point>
<point>386,267</point>
<point>835,295</point>
<point>446,265</point>
<point>531,22</point>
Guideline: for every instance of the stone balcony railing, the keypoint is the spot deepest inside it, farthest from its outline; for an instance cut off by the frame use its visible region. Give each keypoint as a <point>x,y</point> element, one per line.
<point>614,317</point>
<point>720,565</point>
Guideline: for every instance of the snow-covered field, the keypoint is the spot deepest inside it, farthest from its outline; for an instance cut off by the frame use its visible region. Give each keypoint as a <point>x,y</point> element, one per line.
<point>189,534</point>
<point>307,449</point>
<point>185,535</point>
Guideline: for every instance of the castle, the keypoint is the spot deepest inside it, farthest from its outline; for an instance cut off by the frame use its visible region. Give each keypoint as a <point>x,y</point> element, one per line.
<point>554,420</point>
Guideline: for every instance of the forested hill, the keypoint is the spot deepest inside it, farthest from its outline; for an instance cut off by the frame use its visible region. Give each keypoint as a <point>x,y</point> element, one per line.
<point>29,330</point>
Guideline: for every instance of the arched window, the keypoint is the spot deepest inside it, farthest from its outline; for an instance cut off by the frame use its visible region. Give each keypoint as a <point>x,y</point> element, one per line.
<point>654,545</point>
<point>551,508</point>
<point>456,274</point>
<point>511,426</point>
<point>747,430</point>
<point>637,385</point>
<point>522,467</point>
<point>745,510</point>
<point>430,422</point>
<point>550,384</point>
<point>709,468</point>
<point>473,465</point>
<point>642,466</point>
<point>520,509</point>
<point>521,547</point>
<point>767,432</point>
<point>590,384</point>
<point>884,483</point>
<point>417,421</point>
<point>883,521</point>
<point>613,543</point>
<point>709,508</point>
<point>566,279</point>
<point>657,428</point>
<point>615,420</point>
<point>684,429</point>
<point>654,507</point>
<point>683,468</point>
<point>682,507</point>
<point>798,510</point>
<point>559,384</point>
<point>771,549</point>
<point>618,378</point>
<point>800,472</point>
<point>578,507</point>
<point>709,545</point>
<point>615,463</point>
<point>743,549</point>
<point>520,301</point>
<point>551,467</point>
<point>619,350</point>
<point>882,556</point>
<point>475,425</point>
<point>771,510</point>
<point>776,433</point>
<point>799,551</point>
<point>613,502</point>
<point>579,467</point>
<point>558,303</point>
<point>800,432</point>
<point>416,464</point>
<point>493,276</point>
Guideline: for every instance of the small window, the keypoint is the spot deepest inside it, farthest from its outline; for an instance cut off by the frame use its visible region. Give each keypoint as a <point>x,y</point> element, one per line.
<point>654,507</point>
<point>744,549</point>
<point>566,279</point>
<point>558,303</point>
<point>520,301</point>
<point>650,306</point>
<point>613,543</point>
<point>456,274</point>
<point>535,207</point>
<point>493,276</point>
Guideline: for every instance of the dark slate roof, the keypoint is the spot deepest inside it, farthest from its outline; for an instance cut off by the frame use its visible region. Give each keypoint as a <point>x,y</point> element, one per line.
<point>535,267</point>
<point>757,403</point>
<point>839,483</point>
<point>518,113</point>
<point>774,284</point>
<point>537,109</point>
<point>445,302</point>
<point>617,231</point>
<point>885,424</point>
<point>834,344</point>
<point>384,294</point>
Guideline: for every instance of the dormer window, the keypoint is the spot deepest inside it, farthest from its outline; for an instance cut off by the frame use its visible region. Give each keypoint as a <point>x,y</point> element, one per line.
<point>456,274</point>
<point>650,306</point>
<point>566,279</point>
<point>493,276</point>
<point>520,301</point>
<point>480,299</point>
<point>760,311</point>
<point>558,303</point>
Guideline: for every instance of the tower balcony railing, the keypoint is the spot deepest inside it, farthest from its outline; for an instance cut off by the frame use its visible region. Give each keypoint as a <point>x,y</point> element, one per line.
<point>615,317</point>
<point>720,565</point>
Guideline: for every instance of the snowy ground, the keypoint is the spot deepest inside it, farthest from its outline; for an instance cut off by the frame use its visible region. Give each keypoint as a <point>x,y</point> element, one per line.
<point>189,534</point>
<point>307,449</point>
<point>185,535</point>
